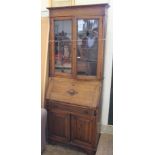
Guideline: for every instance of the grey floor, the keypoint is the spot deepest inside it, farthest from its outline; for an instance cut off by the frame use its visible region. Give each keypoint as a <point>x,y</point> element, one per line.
<point>61,150</point>
<point>105,147</point>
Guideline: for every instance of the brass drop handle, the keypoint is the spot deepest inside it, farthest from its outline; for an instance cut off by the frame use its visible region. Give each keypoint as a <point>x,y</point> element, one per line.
<point>72,92</point>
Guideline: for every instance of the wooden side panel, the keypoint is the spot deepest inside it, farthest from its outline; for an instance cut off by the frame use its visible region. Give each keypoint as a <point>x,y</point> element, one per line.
<point>59,126</point>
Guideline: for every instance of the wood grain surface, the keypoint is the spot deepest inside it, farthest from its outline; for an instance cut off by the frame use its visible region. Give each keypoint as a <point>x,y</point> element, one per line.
<point>87,93</point>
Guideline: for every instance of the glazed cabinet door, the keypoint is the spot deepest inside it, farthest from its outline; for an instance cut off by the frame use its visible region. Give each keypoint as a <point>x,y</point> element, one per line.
<point>59,126</point>
<point>82,130</point>
<point>89,47</point>
<point>61,46</point>
<point>76,47</point>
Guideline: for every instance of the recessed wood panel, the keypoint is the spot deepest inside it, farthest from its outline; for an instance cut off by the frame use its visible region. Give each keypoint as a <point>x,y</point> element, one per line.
<point>82,130</point>
<point>58,126</point>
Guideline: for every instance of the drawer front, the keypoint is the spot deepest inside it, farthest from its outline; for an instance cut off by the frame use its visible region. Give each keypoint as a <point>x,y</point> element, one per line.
<point>70,108</point>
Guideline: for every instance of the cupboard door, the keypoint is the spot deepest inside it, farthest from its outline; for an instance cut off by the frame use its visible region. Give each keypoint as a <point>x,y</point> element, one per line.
<point>82,130</point>
<point>59,126</point>
<point>87,46</point>
<point>63,46</point>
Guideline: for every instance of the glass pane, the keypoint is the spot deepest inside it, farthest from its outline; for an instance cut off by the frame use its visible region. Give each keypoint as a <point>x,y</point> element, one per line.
<point>87,47</point>
<point>62,33</point>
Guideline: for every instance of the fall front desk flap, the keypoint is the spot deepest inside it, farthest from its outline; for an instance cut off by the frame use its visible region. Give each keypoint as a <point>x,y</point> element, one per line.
<point>78,92</point>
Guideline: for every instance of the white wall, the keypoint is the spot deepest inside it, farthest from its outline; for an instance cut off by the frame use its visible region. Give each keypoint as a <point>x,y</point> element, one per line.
<point>108,55</point>
<point>44,4</point>
<point>107,67</point>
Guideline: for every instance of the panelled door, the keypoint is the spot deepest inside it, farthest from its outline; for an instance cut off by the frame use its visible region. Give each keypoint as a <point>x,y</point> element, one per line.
<point>61,46</point>
<point>87,46</point>
<point>59,126</point>
<point>82,130</point>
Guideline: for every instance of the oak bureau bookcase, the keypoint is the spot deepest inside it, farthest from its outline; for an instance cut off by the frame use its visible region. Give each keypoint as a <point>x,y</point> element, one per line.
<point>76,54</point>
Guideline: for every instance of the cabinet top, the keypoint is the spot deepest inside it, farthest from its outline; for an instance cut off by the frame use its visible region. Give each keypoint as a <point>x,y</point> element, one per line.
<point>77,92</point>
<point>106,5</point>
<point>79,10</point>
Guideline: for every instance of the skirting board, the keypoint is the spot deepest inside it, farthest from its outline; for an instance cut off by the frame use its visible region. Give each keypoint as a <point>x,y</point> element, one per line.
<point>107,129</point>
